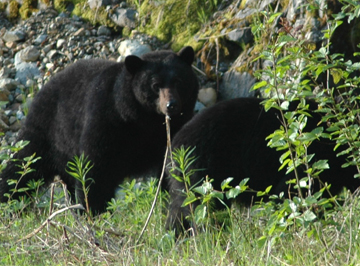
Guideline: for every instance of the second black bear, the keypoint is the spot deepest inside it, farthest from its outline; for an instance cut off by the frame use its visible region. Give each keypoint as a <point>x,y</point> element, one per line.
<point>229,141</point>
<point>112,112</point>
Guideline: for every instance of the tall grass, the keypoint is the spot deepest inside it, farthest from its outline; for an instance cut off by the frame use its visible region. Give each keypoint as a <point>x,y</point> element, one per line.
<point>110,239</point>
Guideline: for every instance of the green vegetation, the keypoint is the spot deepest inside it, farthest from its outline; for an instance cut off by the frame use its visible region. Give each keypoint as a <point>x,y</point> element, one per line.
<point>27,8</point>
<point>78,169</point>
<point>13,9</point>
<point>82,9</point>
<point>60,236</point>
<point>175,21</point>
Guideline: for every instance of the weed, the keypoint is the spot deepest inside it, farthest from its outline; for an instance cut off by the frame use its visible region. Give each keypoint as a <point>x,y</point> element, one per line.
<point>78,169</point>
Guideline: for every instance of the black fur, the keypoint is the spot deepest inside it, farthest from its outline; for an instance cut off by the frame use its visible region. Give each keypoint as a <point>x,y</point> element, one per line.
<point>113,113</point>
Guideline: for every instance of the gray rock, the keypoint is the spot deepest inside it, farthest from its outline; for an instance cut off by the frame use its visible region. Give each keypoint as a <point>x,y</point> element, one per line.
<point>47,48</point>
<point>8,84</point>
<point>12,120</point>
<point>4,95</point>
<point>25,71</point>
<point>15,126</point>
<point>3,126</point>
<point>28,54</point>
<point>19,98</point>
<point>242,35</point>
<point>19,114</point>
<point>7,61</point>
<point>4,72</point>
<point>314,36</point>
<point>93,4</point>
<point>235,85</point>
<point>40,39</point>
<point>242,14</point>
<point>14,36</point>
<point>198,107</point>
<point>125,17</point>
<point>252,7</point>
<point>51,54</point>
<point>103,30</point>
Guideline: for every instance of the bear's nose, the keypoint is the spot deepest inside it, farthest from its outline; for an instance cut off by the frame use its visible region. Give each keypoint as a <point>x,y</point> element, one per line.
<point>172,107</point>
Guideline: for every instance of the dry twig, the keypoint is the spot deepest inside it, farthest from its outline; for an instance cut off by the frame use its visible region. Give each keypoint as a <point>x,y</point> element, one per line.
<point>77,206</point>
<point>168,150</point>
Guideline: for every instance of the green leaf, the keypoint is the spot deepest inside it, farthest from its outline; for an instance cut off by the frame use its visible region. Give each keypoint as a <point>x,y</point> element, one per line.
<point>337,74</point>
<point>233,193</point>
<point>321,164</point>
<point>178,178</point>
<point>216,194</point>
<point>206,198</point>
<point>285,163</point>
<point>310,200</point>
<point>309,216</point>
<point>285,105</point>
<point>267,190</point>
<point>308,136</point>
<point>201,190</point>
<point>200,213</point>
<point>258,85</point>
<point>263,193</point>
<point>190,199</point>
<point>261,241</point>
<point>286,38</point>
<point>243,184</point>
<point>274,16</point>
<point>225,183</point>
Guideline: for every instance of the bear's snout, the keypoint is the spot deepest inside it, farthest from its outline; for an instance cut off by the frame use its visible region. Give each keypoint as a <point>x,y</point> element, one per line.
<point>169,103</point>
<point>172,106</point>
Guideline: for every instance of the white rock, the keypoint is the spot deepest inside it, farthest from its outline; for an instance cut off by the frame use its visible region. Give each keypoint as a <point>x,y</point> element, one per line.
<point>133,47</point>
<point>60,43</point>
<point>207,96</point>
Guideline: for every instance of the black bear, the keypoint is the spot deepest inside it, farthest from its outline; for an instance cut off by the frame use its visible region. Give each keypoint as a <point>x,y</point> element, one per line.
<point>229,140</point>
<point>112,112</point>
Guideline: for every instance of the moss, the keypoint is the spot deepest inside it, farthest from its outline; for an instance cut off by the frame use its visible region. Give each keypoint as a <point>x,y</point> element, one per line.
<point>126,32</point>
<point>242,4</point>
<point>82,9</point>
<point>27,8</point>
<point>60,5</point>
<point>46,2</point>
<point>13,9</point>
<point>3,6</point>
<point>98,16</point>
<point>174,21</point>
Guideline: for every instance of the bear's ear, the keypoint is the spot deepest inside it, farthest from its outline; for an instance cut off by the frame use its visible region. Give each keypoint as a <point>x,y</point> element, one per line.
<point>187,54</point>
<point>133,63</point>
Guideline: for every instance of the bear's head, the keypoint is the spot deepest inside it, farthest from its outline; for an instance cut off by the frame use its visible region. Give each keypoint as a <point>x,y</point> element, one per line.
<point>163,81</point>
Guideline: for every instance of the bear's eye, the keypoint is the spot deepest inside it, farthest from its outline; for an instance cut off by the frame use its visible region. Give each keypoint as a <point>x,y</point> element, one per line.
<point>155,86</point>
